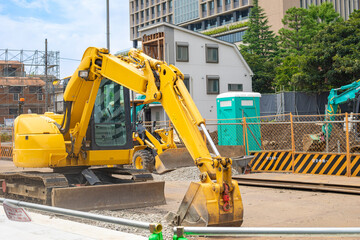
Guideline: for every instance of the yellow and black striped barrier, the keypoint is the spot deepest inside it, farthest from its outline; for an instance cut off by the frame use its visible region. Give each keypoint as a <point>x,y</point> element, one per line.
<point>272,161</point>
<point>309,163</point>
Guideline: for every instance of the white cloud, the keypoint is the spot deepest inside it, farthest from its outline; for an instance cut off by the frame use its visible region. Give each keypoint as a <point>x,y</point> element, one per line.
<point>83,25</point>
<point>42,4</point>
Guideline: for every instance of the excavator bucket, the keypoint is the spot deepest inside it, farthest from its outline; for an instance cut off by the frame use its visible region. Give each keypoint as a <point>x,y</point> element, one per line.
<point>313,143</point>
<point>175,158</point>
<point>203,206</point>
<point>172,159</point>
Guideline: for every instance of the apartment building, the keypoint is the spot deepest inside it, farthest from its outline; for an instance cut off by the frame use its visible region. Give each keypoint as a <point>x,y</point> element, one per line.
<point>222,19</point>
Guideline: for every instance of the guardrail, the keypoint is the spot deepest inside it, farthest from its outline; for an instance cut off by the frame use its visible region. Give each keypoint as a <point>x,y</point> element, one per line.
<point>154,228</point>
<point>180,232</point>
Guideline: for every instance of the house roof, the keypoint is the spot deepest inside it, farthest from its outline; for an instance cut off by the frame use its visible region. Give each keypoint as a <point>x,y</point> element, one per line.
<point>202,36</point>
<point>21,81</point>
<point>10,62</point>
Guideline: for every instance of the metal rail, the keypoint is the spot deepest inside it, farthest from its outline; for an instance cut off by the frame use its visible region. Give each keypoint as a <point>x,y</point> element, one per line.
<point>68,212</point>
<point>266,231</point>
<point>327,187</point>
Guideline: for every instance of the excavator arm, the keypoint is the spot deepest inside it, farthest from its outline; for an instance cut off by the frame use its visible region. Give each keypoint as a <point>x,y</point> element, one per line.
<point>350,92</point>
<point>216,199</point>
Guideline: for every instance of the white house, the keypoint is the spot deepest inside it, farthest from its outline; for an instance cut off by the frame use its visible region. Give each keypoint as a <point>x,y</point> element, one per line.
<point>210,66</point>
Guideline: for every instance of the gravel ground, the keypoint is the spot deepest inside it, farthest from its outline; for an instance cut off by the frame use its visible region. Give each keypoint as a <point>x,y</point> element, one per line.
<point>183,174</point>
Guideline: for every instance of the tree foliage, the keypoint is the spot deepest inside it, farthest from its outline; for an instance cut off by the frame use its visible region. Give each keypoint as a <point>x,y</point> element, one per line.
<point>301,27</point>
<point>259,39</point>
<point>333,58</point>
<point>259,49</point>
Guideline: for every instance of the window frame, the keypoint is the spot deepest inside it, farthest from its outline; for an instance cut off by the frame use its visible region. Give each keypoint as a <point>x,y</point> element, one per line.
<point>182,44</point>
<point>40,97</point>
<point>187,79</point>
<point>212,78</point>
<point>230,84</point>
<point>211,46</point>
<point>16,96</point>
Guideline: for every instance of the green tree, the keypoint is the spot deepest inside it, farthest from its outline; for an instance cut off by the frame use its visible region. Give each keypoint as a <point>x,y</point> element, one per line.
<point>259,49</point>
<point>333,58</point>
<point>259,39</point>
<point>324,14</point>
<point>298,31</point>
<point>301,27</point>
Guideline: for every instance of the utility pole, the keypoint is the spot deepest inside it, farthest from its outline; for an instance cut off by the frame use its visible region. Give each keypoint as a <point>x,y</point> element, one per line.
<point>46,77</point>
<point>107,25</point>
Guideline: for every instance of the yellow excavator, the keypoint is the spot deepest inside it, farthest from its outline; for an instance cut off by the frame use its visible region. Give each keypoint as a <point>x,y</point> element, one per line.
<point>95,132</point>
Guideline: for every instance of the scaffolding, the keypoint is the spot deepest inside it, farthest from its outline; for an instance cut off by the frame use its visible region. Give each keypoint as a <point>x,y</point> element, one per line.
<point>27,74</point>
<point>34,62</point>
<point>153,45</point>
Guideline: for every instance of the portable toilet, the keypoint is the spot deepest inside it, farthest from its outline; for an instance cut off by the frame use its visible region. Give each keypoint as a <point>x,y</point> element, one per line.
<point>232,107</point>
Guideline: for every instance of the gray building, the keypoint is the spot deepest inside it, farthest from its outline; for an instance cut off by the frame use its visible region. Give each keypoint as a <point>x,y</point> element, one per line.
<point>196,15</point>
<point>222,19</point>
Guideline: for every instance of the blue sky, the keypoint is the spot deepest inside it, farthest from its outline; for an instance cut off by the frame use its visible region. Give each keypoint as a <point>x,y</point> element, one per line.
<point>69,25</point>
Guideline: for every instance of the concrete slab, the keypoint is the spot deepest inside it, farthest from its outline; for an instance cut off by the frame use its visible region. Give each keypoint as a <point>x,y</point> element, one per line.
<point>52,228</point>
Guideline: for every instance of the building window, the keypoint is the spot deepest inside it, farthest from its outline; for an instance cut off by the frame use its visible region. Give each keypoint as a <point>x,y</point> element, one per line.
<point>245,2</point>
<point>212,84</point>
<point>232,37</point>
<point>187,81</point>
<point>16,97</point>
<point>9,72</point>
<point>35,89</point>
<point>13,111</point>
<point>212,53</point>
<point>40,97</point>
<point>235,87</point>
<point>182,52</point>
<point>15,89</point>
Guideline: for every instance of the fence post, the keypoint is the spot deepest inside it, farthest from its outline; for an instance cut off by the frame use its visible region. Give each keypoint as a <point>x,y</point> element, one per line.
<point>292,143</point>
<point>348,157</point>
<point>246,144</point>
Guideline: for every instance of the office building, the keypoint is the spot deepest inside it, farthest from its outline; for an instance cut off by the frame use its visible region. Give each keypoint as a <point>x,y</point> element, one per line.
<point>222,19</point>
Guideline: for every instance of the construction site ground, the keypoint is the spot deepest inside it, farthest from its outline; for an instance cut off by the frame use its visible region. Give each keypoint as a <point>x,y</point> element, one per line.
<point>264,207</point>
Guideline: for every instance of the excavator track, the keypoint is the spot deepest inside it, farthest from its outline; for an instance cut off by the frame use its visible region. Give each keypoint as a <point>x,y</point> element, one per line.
<point>54,189</point>
<point>31,186</point>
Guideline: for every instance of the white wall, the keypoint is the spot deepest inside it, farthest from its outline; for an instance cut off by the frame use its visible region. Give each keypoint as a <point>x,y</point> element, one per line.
<point>230,69</point>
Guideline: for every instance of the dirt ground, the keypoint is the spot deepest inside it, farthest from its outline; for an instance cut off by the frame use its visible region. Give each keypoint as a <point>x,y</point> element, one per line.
<point>268,207</point>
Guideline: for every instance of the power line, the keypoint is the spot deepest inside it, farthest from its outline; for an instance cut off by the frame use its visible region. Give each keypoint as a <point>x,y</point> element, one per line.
<point>71,59</point>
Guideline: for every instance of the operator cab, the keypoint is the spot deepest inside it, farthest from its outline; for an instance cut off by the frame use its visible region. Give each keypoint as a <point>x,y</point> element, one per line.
<point>110,126</point>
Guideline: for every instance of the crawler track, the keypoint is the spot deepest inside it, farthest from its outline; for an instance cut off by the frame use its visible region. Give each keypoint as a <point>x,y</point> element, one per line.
<point>31,186</point>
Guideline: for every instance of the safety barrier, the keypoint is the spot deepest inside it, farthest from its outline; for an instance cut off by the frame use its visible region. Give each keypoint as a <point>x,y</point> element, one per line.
<point>315,144</point>
<point>6,152</point>
<point>154,228</point>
